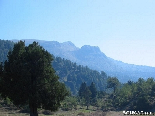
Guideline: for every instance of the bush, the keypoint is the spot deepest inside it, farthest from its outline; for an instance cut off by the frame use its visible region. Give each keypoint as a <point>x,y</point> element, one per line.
<point>80,114</point>
<point>47,112</point>
<point>69,103</point>
<point>7,101</point>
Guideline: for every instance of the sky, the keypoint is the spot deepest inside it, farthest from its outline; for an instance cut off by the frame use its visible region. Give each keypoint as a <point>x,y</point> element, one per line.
<point>123,29</point>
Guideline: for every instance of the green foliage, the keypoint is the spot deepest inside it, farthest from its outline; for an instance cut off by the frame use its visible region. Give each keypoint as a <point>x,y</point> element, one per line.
<point>93,96</point>
<point>69,103</point>
<point>93,90</point>
<point>88,94</point>
<point>73,75</point>
<point>81,101</point>
<point>136,95</point>
<point>70,73</point>
<point>28,73</point>
<point>82,90</point>
<point>107,105</point>
<point>28,78</point>
<point>101,94</point>
<point>112,82</point>
<point>85,93</point>
<point>7,101</point>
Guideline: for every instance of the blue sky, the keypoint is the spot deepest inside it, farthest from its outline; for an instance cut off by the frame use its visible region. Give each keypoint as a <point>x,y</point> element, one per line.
<point>123,29</point>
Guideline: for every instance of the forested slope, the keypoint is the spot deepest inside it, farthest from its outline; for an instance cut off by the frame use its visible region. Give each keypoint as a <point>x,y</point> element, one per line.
<point>5,46</point>
<point>133,96</point>
<point>70,73</point>
<point>73,75</point>
<point>95,59</point>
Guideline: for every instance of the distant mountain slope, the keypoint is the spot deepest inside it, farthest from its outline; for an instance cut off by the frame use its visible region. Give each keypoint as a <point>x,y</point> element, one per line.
<point>92,57</point>
<point>63,50</point>
<point>73,75</point>
<point>5,46</point>
<point>70,73</point>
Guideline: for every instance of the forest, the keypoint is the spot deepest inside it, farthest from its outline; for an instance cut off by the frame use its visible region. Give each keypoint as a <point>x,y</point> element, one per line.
<point>85,87</point>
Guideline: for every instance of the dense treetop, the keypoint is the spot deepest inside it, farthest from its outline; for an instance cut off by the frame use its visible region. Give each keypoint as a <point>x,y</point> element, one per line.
<point>27,77</point>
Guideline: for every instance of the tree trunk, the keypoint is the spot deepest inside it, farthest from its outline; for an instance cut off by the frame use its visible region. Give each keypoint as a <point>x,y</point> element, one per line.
<point>33,111</point>
<point>32,99</point>
<point>33,108</point>
<point>87,107</point>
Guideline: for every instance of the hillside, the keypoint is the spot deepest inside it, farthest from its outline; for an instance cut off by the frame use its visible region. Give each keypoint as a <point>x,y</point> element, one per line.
<point>70,73</point>
<point>5,46</point>
<point>73,75</point>
<point>92,57</point>
<point>128,96</point>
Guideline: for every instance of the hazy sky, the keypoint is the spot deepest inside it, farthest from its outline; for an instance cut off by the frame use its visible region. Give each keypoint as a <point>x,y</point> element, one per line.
<point>123,29</point>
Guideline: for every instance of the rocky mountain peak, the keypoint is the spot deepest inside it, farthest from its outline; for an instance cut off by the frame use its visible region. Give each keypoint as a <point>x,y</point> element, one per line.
<point>90,49</point>
<point>69,46</point>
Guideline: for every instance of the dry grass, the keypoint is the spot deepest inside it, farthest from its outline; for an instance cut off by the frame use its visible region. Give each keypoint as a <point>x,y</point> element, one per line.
<point>69,113</point>
<point>80,112</point>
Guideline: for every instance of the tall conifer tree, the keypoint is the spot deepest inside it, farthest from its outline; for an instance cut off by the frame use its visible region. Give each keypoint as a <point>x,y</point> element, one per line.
<point>28,78</point>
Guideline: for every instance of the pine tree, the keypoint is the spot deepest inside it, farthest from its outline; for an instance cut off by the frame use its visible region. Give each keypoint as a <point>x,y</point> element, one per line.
<point>28,78</point>
<point>82,90</point>
<point>93,91</point>
<point>85,93</point>
<point>113,82</point>
<point>87,96</point>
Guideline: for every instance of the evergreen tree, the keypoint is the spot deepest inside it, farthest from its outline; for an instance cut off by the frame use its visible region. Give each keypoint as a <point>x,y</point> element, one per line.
<point>85,93</point>
<point>82,90</point>
<point>93,91</point>
<point>87,96</point>
<point>113,82</point>
<point>28,78</point>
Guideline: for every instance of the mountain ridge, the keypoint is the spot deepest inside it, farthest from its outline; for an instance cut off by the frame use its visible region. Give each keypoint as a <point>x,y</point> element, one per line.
<point>92,57</point>
<point>69,73</point>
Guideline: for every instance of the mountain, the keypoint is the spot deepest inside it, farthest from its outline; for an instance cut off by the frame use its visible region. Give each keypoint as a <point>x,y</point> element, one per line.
<point>70,73</point>
<point>92,57</point>
<point>5,46</point>
<point>73,75</point>
<point>63,50</point>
